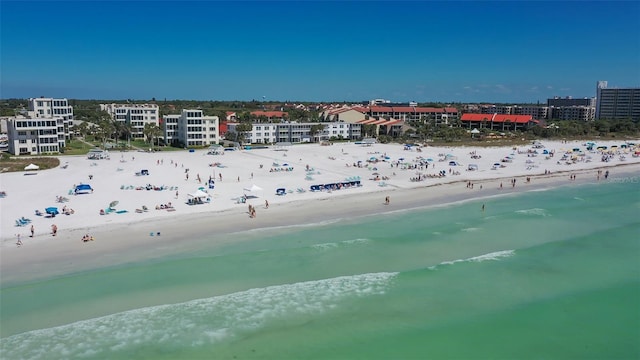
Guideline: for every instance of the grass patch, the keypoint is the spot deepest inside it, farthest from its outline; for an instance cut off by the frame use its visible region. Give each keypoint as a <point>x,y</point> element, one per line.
<point>18,163</point>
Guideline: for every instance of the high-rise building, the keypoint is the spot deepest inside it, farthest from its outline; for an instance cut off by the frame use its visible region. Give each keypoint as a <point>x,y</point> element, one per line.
<point>617,103</point>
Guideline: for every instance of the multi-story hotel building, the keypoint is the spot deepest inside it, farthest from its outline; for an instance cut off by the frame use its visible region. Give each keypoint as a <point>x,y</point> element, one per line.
<point>578,113</point>
<point>537,112</point>
<point>294,132</point>
<point>136,115</point>
<point>51,108</point>
<point>406,113</point>
<point>494,109</point>
<point>617,103</point>
<point>34,134</point>
<point>191,128</point>
<point>570,101</point>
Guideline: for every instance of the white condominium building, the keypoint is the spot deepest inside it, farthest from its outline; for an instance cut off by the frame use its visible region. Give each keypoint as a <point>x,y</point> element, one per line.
<point>191,128</point>
<point>577,113</point>
<point>136,115</point>
<point>293,132</point>
<point>36,135</point>
<point>51,108</point>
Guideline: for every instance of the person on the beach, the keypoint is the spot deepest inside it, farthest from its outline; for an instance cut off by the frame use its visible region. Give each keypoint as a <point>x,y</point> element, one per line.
<point>19,242</point>
<point>33,230</point>
<point>387,200</point>
<point>483,207</point>
<point>54,229</point>
<point>176,194</point>
<point>266,204</point>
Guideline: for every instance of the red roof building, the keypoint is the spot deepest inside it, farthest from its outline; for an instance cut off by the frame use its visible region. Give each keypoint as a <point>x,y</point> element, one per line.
<point>497,121</point>
<point>271,115</point>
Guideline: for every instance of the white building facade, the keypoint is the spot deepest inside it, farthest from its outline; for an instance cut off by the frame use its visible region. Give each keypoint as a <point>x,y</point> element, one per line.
<point>293,132</point>
<point>50,108</point>
<point>191,128</point>
<point>36,135</point>
<point>136,115</point>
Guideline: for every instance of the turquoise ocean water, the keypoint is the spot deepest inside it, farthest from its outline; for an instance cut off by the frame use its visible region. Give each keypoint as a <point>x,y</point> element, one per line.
<point>542,274</point>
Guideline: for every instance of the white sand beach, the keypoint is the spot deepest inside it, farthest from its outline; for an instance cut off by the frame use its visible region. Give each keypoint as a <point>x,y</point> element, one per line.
<point>124,234</point>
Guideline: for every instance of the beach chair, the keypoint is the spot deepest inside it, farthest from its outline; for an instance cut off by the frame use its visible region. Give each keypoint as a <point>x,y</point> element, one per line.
<point>281,191</point>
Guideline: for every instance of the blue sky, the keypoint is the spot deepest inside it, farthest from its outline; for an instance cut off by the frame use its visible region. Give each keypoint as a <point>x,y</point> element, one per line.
<point>425,51</point>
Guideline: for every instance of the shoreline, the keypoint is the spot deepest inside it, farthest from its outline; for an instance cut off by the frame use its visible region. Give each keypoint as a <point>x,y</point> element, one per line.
<point>118,244</point>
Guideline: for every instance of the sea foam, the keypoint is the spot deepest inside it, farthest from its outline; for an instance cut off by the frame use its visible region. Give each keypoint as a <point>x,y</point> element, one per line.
<point>201,321</point>
<point>533,212</point>
<point>497,255</point>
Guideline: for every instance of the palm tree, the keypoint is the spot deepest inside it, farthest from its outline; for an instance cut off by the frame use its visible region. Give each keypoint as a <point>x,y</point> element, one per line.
<point>106,128</point>
<point>151,132</point>
<point>315,129</point>
<point>241,130</point>
<point>82,129</point>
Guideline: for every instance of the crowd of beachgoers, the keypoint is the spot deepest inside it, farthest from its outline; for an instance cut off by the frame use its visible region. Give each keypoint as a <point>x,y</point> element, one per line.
<point>130,190</point>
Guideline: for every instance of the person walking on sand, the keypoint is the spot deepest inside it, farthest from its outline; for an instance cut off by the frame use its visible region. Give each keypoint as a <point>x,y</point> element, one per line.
<point>266,204</point>
<point>54,229</point>
<point>19,241</point>
<point>33,230</point>
<point>387,200</point>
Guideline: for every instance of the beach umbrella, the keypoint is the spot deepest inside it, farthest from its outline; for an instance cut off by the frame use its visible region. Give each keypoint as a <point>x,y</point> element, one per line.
<point>375,173</point>
<point>113,204</point>
<point>51,210</point>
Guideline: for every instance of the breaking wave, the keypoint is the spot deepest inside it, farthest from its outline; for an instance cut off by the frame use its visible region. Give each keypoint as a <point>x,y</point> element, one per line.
<point>197,322</point>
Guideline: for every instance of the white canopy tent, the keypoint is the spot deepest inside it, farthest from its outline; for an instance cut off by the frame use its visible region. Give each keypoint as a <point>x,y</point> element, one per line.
<point>253,190</point>
<point>198,197</point>
<point>199,194</point>
<point>31,167</point>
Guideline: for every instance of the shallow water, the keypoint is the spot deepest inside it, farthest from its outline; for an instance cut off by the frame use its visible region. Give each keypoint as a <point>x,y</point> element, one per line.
<point>545,274</point>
